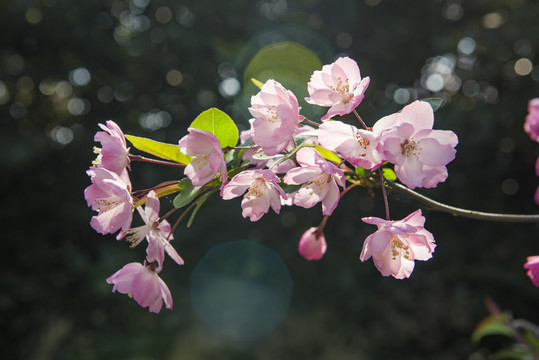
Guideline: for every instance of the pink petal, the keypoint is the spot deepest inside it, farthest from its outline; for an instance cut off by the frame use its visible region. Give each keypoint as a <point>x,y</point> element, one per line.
<point>331,199</point>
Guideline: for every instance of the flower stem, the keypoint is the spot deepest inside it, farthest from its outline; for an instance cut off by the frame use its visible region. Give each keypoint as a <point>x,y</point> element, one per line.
<point>165,188</point>
<point>189,208</point>
<point>307,121</point>
<point>471,214</point>
<point>384,193</point>
<point>154,161</point>
<point>361,121</point>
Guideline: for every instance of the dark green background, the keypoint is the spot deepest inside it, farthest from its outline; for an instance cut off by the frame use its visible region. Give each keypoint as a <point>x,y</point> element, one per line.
<point>54,301</point>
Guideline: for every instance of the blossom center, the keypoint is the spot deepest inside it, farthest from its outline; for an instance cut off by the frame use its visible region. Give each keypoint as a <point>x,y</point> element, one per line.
<point>256,189</point>
<point>316,184</point>
<point>106,204</point>
<point>363,143</point>
<point>410,147</point>
<point>343,89</point>
<point>200,161</point>
<point>398,248</point>
<point>271,114</point>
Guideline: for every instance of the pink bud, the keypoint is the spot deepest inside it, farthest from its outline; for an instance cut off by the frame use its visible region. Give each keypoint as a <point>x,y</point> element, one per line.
<point>312,244</point>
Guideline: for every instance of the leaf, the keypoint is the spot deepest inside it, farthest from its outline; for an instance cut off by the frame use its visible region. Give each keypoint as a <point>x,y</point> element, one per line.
<point>389,174</point>
<point>219,124</point>
<point>187,193</point>
<point>436,103</point>
<point>360,171</point>
<point>288,189</point>
<point>159,149</point>
<point>328,154</point>
<point>493,325</point>
<point>511,354</point>
<point>201,201</point>
<point>257,83</point>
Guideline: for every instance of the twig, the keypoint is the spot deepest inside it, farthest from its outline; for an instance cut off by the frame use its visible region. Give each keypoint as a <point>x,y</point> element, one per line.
<point>455,211</point>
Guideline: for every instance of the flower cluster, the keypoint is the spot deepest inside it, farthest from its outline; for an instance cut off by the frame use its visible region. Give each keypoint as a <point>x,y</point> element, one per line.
<point>531,127</point>
<point>111,196</point>
<point>282,159</point>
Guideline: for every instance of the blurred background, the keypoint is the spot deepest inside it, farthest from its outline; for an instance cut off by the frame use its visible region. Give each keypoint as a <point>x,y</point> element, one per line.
<point>153,65</point>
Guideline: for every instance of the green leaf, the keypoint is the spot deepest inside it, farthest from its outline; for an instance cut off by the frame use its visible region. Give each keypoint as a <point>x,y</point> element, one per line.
<point>436,103</point>
<point>219,124</point>
<point>360,171</point>
<point>288,189</point>
<point>511,354</point>
<point>493,325</point>
<point>159,149</point>
<point>187,193</point>
<point>201,201</point>
<point>327,154</point>
<point>257,83</point>
<point>389,174</point>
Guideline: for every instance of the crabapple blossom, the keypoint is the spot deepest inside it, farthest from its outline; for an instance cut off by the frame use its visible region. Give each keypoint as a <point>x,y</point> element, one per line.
<point>110,196</point>
<point>532,265</point>
<point>531,125</point>
<point>158,233</point>
<point>312,244</point>
<point>262,189</point>
<point>114,154</point>
<point>142,283</point>
<point>275,162</point>
<point>418,152</point>
<point>359,147</point>
<point>396,244</point>
<point>338,86</point>
<point>536,197</point>
<point>208,160</point>
<point>276,113</point>
<point>320,180</point>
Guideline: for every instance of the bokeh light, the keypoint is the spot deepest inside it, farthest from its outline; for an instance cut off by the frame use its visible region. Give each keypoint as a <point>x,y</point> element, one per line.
<point>241,289</point>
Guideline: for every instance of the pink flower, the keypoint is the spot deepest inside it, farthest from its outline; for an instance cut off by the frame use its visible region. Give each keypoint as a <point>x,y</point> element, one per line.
<point>262,189</point>
<point>156,232</point>
<point>319,179</point>
<point>359,147</point>
<point>531,125</point>
<point>536,197</point>
<point>532,264</point>
<point>261,160</point>
<point>114,154</point>
<point>208,160</point>
<point>111,197</point>
<point>396,244</point>
<point>276,114</point>
<point>338,86</point>
<point>143,284</point>
<point>418,152</point>
<point>312,245</point>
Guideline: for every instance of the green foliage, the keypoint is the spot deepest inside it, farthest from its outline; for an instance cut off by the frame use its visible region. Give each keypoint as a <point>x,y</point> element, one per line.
<point>436,103</point>
<point>289,188</point>
<point>159,149</point>
<point>496,324</point>
<point>328,155</point>
<point>187,193</point>
<point>516,353</point>
<point>257,83</point>
<point>200,202</point>
<point>219,124</point>
<point>389,174</point>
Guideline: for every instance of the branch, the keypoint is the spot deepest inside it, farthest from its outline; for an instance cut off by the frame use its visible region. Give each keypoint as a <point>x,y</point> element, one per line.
<point>471,214</point>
